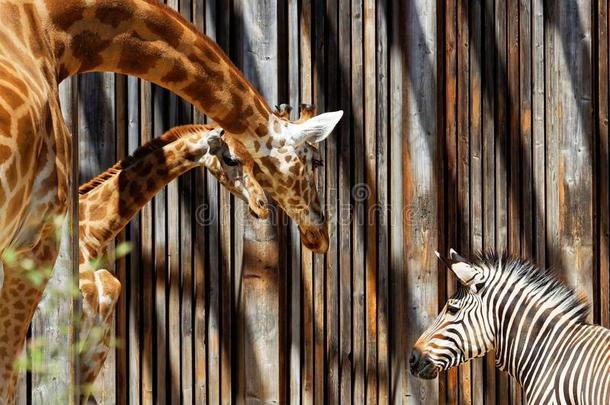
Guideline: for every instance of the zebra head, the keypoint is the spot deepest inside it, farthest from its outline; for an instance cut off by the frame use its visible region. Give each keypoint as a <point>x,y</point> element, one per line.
<point>462,330</point>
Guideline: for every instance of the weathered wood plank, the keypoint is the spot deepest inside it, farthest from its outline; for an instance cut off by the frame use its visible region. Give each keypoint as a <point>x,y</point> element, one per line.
<point>449,392</point>
<point>122,369</point>
<point>319,267</point>
<point>419,180</point>
<point>306,85</point>
<point>345,258</point>
<point>294,379</point>
<point>502,161</point>
<point>514,151</point>
<point>571,104</point>
<point>489,167</point>
<point>260,278</point>
<point>134,291</point>
<point>476,164</point>
<point>332,298</point>
<point>463,220</point>
<point>358,223</point>
<point>370,180</point>
<point>603,166</point>
<point>147,262</point>
<point>97,152</point>
<point>383,202</point>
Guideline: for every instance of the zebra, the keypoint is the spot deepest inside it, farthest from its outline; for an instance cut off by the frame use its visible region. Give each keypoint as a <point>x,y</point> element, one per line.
<point>536,325</point>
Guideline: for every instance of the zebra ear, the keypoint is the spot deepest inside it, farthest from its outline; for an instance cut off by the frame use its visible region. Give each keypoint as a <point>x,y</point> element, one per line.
<point>463,270</point>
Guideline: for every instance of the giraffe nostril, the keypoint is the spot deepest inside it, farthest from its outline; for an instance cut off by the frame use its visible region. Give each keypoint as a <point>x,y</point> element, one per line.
<point>261,203</point>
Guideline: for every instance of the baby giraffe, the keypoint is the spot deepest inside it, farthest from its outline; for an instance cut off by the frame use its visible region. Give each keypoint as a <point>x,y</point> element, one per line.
<point>109,201</point>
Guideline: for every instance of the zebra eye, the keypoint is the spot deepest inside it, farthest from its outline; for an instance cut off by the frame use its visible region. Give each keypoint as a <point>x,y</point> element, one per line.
<point>452,309</point>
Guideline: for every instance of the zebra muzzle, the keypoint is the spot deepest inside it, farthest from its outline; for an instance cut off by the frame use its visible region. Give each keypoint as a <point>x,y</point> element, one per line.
<point>421,365</point>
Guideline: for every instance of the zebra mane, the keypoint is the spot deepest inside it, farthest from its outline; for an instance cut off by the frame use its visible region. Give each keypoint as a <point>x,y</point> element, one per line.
<point>557,292</point>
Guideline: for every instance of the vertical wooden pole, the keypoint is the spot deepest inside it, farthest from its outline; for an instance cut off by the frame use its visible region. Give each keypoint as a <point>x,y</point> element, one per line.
<point>488,165</point>
<point>74,253</point>
<point>382,201</point>
<point>603,167</point>
<point>259,304</point>
<point>419,178</point>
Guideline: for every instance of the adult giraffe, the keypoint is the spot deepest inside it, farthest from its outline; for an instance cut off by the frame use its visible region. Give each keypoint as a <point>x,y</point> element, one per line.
<point>43,42</point>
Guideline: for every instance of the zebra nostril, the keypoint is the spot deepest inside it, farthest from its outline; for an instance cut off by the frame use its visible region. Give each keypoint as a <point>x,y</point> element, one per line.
<point>415,356</point>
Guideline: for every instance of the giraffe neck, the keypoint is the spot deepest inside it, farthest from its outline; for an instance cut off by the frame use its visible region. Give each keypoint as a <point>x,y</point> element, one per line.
<point>147,39</point>
<point>108,202</point>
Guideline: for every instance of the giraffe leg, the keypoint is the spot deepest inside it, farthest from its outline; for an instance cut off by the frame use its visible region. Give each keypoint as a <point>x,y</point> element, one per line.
<point>96,349</point>
<point>90,300</point>
<point>18,301</point>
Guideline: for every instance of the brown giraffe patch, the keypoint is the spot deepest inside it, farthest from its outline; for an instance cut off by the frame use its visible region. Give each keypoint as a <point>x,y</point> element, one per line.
<point>5,153</point>
<point>8,71</point>
<point>296,169</point>
<point>143,169</point>
<point>270,163</point>
<point>114,13</point>
<point>151,185</point>
<point>65,13</point>
<point>87,48</point>
<point>12,175</point>
<point>203,90</point>
<point>134,189</point>
<point>261,130</point>
<point>97,212</point>
<point>26,141</point>
<point>177,75</point>
<point>138,56</point>
<point>36,40</point>
<point>11,97</point>
<point>11,17</point>
<point>106,194</point>
<point>60,49</point>
<point>208,52</point>
<point>168,29</point>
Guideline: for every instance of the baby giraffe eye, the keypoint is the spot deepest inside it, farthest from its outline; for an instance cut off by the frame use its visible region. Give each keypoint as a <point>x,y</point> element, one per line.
<point>452,309</point>
<point>317,163</point>
<point>229,161</point>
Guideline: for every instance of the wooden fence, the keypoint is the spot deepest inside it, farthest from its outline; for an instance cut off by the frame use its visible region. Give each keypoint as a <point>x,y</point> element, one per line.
<point>474,124</point>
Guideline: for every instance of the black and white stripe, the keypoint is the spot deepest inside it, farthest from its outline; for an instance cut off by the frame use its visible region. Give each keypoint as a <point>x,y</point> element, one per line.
<point>536,325</point>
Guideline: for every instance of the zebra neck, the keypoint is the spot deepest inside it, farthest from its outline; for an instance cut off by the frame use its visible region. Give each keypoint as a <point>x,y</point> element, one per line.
<point>528,329</point>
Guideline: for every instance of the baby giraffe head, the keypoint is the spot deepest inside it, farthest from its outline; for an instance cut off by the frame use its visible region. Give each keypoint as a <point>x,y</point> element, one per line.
<point>231,165</point>
<point>286,163</point>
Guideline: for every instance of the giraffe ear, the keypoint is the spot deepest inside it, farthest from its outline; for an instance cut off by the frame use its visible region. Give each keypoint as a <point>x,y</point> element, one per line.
<point>315,129</point>
<point>215,141</point>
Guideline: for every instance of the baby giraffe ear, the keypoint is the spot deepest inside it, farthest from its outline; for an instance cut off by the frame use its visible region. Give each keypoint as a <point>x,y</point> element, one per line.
<point>215,141</point>
<point>315,129</point>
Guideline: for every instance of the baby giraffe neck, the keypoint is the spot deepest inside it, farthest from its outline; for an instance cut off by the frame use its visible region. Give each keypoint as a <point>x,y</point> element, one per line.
<point>108,202</point>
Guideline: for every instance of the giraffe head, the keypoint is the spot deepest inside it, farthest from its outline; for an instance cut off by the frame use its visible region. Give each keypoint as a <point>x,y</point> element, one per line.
<point>287,160</point>
<point>232,165</point>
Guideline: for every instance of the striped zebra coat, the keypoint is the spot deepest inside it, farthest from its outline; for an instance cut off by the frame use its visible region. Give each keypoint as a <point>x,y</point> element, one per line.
<point>536,325</point>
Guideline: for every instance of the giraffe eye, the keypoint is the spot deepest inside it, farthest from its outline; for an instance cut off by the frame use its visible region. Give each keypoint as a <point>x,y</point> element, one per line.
<point>317,163</point>
<point>229,161</point>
